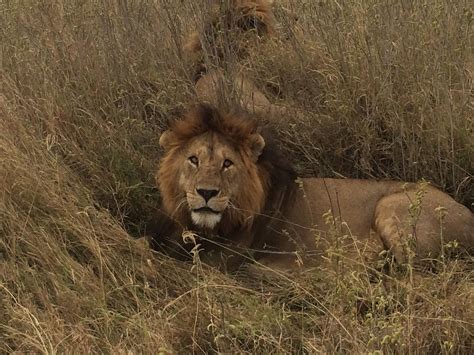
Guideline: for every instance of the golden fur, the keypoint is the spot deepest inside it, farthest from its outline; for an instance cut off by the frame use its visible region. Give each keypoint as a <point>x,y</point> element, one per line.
<point>258,206</point>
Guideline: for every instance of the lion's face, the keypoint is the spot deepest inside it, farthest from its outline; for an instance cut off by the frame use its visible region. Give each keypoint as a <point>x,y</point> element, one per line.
<point>206,178</point>
<point>209,176</point>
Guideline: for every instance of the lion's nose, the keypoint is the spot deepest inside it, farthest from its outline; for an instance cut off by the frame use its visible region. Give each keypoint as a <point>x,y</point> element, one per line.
<point>207,194</point>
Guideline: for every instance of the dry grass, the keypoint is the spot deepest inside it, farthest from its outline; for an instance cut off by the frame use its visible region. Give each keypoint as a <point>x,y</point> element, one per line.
<point>381,89</point>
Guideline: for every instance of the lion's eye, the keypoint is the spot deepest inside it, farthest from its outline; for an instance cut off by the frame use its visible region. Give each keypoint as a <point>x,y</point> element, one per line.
<point>227,163</point>
<point>194,160</point>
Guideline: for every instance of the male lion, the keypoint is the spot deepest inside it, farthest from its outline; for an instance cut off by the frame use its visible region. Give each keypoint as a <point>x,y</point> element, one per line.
<point>234,28</point>
<point>221,179</point>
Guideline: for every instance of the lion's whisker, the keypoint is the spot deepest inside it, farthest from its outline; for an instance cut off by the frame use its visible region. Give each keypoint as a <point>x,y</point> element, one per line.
<point>180,204</point>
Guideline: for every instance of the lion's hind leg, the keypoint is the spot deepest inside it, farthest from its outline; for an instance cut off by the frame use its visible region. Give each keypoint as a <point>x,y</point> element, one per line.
<point>410,226</point>
<point>424,221</point>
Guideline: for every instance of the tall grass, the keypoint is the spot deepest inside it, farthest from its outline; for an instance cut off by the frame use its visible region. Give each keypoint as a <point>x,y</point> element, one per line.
<point>379,89</point>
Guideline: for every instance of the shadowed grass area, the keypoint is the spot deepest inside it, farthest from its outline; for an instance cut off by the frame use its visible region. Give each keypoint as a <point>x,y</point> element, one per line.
<point>374,89</point>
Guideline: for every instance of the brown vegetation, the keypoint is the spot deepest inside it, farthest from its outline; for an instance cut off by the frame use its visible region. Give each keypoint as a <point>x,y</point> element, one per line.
<point>381,89</point>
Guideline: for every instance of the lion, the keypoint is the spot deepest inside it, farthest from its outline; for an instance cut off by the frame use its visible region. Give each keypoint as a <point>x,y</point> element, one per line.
<point>233,30</point>
<point>223,179</point>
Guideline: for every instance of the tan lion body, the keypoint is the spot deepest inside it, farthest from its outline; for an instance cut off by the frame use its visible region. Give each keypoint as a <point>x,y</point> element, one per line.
<point>376,216</point>
<point>219,178</point>
<point>233,29</point>
<point>209,88</point>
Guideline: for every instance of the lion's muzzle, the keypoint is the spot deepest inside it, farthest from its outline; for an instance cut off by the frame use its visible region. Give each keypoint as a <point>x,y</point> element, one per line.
<point>206,207</point>
<point>207,194</point>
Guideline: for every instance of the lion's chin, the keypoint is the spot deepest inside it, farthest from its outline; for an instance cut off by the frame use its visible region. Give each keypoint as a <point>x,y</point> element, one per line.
<point>206,219</point>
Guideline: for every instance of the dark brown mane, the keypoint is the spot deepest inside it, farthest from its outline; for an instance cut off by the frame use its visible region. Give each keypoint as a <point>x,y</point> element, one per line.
<point>235,126</point>
<point>245,15</point>
<point>282,185</point>
<point>228,20</point>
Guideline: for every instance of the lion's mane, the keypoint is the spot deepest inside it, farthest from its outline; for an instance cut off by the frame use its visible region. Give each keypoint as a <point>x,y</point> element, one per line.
<point>275,174</point>
<point>224,31</point>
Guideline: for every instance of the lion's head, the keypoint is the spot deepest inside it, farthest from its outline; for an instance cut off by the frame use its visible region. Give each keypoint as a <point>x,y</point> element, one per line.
<point>233,28</point>
<point>209,176</point>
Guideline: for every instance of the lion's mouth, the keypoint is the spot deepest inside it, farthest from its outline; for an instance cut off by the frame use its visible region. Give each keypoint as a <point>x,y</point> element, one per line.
<point>206,217</point>
<point>206,209</point>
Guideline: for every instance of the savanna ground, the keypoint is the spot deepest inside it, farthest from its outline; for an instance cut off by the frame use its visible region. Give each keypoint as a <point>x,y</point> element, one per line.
<point>382,89</point>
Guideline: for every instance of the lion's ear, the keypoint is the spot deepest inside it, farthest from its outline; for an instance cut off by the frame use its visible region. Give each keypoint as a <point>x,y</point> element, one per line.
<point>166,139</point>
<point>257,143</point>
